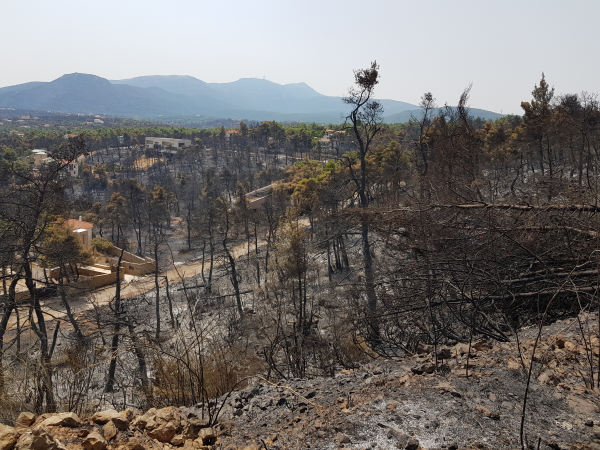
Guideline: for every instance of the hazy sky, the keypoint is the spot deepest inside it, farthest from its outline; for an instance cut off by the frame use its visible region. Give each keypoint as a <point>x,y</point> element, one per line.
<point>438,45</point>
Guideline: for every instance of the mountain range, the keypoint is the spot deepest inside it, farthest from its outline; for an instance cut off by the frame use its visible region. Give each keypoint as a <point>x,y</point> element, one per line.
<point>158,95</point>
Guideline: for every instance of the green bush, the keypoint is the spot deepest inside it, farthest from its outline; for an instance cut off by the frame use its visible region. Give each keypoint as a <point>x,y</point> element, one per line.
<point>101,244</point>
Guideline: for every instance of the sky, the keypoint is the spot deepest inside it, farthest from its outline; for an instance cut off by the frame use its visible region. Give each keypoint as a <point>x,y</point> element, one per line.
<point>438,46</point>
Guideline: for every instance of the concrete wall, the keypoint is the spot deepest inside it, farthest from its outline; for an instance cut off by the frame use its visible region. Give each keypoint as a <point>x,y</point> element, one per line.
<point>133,264</point>
<point>99,280</point>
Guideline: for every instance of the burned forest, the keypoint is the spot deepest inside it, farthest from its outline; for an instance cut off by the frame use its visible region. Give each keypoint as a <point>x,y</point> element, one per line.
<point>141,275</point>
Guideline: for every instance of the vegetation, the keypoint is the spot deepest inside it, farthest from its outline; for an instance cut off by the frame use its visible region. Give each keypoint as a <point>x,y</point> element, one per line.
<point>295,251</point>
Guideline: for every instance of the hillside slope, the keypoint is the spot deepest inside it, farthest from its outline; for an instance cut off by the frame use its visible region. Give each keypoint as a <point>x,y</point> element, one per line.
<point>473,402</point>
<point>405,116</point>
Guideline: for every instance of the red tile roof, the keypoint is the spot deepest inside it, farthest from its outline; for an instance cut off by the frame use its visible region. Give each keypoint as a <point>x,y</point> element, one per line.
<point>75,224</point>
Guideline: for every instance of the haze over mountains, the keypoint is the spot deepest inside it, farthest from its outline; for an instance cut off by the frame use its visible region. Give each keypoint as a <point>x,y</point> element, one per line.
<point>150,96</point>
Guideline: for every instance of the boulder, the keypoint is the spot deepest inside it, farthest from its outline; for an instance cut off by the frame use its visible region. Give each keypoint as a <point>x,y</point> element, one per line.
<point>140,422</point>
<point>163,433</point>
<point>68,419</point>
<point>39,419</point>
<point>178,440</point>
<point>37,439</point>
<point>168,414</point>
<point>207,435</point>
<point>25,419</point>
<point>8,437</point>
<point>109,430</point>
<point>193,427</point>
<point>94,441</point>
<point>129,414</point>
<point>119,419</point>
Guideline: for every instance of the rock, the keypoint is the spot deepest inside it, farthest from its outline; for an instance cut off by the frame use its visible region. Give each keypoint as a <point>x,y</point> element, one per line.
<point>68,419</point>
<point>178,440</point>
<point>132,444</point>
<point>486,412</point>
<point>37,439</point>
<point>169,414</point>
<point>224,427</point>
<point>589,423</point>
<point>444,353</point>
<point>580,405</point>
<point>462,349</point>
<point>163,433</point>
<point>193,427</point>
<point>207,435</point>
<point>482,345</point>
<point>140,422</point>
<point>94,441</point>
<point>119,419</point>
<point>549,378</point>
<point>342,438</point>
<point>39,419</point>
<point>423,368</point>
<point>424,349</point>
<point>25,420</point>
<point>129,414</point>
<point>271,440</point>
<point>8,437</point>
<point>399,438</point>
<point>253,447</point>
<point>109,430</point>
<point>514,365</point>
<point>412,444</point>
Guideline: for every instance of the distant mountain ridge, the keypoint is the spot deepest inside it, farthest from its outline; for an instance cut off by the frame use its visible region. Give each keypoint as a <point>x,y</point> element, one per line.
<point>154,95</point>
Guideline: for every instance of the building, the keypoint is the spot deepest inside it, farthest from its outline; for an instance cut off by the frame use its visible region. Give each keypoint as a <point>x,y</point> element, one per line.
<point>83,231</point>
<point>72,168</point>
<point>98,121</point>
<point>332,140</point>
<point>166,143</point>
<point>40,157</point>
<point>230,133</point>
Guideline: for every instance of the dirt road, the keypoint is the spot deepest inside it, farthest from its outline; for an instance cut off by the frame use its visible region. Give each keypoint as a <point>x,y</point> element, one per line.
<point>130,287</point>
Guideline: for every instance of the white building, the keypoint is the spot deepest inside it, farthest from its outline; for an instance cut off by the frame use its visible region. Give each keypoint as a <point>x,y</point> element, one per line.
<point>166,143</point>
<point>39,157</point>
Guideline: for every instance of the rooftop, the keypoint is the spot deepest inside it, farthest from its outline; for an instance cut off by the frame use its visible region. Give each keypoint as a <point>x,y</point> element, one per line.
<point>76,225</point>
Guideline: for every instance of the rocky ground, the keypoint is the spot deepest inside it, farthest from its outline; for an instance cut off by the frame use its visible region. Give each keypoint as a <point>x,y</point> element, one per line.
<point>403,404</point>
